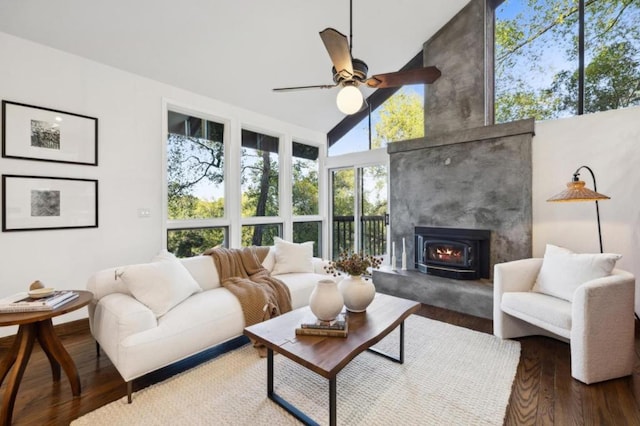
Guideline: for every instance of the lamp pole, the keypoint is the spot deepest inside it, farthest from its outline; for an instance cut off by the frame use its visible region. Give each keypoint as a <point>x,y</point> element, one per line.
<point>595,188</point>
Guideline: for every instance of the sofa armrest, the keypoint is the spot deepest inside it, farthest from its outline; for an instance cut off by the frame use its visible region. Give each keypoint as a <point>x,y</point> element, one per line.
<point>608,297</point>
<point>602,330</point>
<point>604,306</point>
<point>517,275</point>
<point>514,276</point>
<point>116,317</point>
<point>107,281</point>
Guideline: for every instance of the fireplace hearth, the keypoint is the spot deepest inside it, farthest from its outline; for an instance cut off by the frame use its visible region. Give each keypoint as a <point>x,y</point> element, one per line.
<point>456,253</point>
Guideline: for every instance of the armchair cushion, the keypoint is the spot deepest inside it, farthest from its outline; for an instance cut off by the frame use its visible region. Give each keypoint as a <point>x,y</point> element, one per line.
<point>548,312</point>
<point>563,271</point>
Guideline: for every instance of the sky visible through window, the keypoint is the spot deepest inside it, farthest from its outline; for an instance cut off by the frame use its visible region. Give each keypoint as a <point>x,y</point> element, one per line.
<point>357,139</point>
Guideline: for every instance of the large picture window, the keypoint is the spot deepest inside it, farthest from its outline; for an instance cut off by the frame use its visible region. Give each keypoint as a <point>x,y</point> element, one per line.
<point>260,174</point>
<point>556,58</point>
<point>195,183</point>
<point>304,180</point>
<point>195,167</point>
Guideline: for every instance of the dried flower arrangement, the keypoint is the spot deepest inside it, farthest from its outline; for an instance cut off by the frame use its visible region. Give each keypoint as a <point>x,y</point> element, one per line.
<point>352,264</point>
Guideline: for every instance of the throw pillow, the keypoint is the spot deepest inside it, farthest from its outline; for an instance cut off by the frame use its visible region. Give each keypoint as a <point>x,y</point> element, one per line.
<point>563,271</point>
<point>292,257</point>
<point>160,284</point>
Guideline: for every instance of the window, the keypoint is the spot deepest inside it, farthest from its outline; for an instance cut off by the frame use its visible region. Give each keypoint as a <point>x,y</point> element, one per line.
<point>195,183</point>
<point>194,241</point>
<point>304,182</point>
<point>259,177</point>
<point>362,131</point>
<point>399,117</point>
<point>309,231</point>
<point>260,235</point>
<point>362,190</point>
<point>543,70</point>
<point>226,189</point>
<point>259,174</point>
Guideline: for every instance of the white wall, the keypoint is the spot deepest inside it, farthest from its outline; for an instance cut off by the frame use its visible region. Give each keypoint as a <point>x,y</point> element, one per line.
<point>609,143</point>
<point>129,110</point>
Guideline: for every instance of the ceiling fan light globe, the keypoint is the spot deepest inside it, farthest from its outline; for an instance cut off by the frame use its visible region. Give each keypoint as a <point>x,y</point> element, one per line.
<point>349,100</point>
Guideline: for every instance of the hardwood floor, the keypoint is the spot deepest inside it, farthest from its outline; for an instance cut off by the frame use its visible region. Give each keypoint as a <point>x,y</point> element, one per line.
<point>543,392</point>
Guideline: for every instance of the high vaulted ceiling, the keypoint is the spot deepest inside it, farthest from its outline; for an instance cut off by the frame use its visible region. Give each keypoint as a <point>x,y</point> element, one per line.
<point>234,51</point>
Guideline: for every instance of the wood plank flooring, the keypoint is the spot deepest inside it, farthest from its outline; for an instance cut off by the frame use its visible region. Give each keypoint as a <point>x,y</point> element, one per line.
<point>543,392</point>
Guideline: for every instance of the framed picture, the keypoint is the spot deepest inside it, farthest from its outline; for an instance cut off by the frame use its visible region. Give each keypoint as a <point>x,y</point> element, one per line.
<point>35,133</point>
<point>35,203</point>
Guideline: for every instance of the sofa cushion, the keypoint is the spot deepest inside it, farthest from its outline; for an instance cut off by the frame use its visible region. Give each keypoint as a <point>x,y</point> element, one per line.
<point>160,284</point>
<point>548,312</point>
<point>292,257</point>
<point>203,270</point>
<point>563,271</point>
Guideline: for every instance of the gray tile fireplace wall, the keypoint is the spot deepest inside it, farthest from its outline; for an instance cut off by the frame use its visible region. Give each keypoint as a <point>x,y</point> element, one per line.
<point>474,178</point>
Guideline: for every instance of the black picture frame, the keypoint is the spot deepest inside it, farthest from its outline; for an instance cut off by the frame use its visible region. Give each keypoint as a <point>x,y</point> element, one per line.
<point>37,203</point>
<point>36,133</point>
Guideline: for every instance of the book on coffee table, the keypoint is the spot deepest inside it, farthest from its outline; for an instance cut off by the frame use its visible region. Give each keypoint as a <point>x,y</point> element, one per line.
<point>336,328</point>
<point>337,324</point>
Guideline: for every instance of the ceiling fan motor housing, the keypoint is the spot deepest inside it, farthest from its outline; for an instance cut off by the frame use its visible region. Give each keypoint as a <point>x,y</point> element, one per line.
<point>360,70</point>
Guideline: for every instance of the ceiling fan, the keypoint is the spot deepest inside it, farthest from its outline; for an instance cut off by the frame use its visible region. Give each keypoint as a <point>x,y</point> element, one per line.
<point>349,72</point>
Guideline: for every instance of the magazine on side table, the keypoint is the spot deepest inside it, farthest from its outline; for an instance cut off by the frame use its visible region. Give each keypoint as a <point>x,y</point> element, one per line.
<point>22,302</point>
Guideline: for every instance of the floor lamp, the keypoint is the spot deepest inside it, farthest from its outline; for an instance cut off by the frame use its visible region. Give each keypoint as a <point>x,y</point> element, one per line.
<point>576,191</point>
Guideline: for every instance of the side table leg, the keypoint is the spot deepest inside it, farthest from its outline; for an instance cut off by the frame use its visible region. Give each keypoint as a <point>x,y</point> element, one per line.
<point>10,359</point>
<point>55,367</point>
<point>26,335</point>
<point>52,346</point>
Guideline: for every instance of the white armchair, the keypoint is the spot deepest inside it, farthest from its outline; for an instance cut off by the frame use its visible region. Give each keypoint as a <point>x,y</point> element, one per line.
<point>598,323</point>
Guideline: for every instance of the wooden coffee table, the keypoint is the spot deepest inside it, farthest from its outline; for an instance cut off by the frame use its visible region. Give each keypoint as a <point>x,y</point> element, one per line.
<point>326,356</point>
<point>37,326</point>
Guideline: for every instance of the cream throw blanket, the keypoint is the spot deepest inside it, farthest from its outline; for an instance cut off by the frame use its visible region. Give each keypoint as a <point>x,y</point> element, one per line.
<point>260,295</point>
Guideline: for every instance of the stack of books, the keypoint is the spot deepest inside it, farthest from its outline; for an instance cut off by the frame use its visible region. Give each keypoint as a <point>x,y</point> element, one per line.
<point>21,302</point>
<point>339,327</point>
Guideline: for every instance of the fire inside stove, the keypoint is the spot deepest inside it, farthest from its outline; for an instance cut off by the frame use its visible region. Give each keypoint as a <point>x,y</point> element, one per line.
<point>446,254</point>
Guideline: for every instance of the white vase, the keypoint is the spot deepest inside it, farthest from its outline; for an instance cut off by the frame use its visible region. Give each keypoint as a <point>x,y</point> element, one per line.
<point>357,293</point>
<point>326,300</point>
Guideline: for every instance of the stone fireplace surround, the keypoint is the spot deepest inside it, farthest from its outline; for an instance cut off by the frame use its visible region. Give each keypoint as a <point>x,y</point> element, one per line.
<point>477,178</point>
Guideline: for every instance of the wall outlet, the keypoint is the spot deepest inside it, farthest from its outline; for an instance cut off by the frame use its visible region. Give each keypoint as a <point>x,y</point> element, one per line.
<point>144,213</point>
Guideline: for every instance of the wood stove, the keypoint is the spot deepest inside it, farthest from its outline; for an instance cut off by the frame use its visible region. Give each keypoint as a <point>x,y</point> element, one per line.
<point>457,253</point>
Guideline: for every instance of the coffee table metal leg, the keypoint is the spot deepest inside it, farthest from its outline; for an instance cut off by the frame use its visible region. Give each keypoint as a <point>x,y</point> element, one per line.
<point>400,358</point>
<point>333,416</point>
<point>291,409</point>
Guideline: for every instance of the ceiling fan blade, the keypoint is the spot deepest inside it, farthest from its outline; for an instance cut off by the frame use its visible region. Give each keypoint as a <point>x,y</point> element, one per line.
<point>424,75</point>
<point>337,46</point>
<point>319,86</point>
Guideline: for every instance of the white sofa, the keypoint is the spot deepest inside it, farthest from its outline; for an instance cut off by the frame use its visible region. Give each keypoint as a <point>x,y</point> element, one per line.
<point>598,321</point>
<point>138,341</point>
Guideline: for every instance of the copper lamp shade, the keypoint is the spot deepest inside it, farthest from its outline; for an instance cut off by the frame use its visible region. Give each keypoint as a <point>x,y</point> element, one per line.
<point>576,191</point>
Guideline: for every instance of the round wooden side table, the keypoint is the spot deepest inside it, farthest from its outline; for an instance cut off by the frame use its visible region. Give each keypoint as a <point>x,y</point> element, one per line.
<point>37,326</point>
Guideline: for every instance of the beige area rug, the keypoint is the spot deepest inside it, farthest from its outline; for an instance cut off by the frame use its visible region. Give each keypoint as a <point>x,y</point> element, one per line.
<point>451,376</point>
